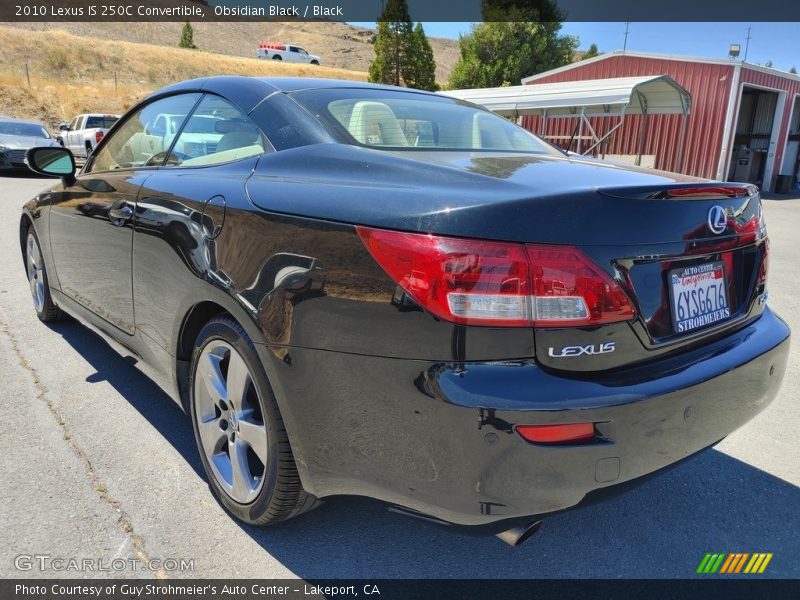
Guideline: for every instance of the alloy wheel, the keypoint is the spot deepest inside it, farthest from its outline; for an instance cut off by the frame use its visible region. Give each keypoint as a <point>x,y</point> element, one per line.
<point>230,423</point>
<point>35,273</point>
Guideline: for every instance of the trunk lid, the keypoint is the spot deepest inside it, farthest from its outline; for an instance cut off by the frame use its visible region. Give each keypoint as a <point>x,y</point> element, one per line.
<point>639,226</point>
<point>686,233</point>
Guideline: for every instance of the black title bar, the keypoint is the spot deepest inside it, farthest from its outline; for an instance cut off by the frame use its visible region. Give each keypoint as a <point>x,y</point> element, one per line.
<point>420,10</point>
<point>711,588</point>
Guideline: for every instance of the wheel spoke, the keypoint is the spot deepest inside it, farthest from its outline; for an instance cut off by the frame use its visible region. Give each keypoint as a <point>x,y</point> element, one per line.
<point>211,435</point>
<point>254,434</point>
<point>39,292</point>
<point>213,381</point>
<point>242,480</point>
<point>33,253</point>
<point>237,380</point>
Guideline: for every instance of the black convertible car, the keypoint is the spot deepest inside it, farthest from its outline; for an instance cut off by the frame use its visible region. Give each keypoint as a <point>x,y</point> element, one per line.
<point>357,289</point>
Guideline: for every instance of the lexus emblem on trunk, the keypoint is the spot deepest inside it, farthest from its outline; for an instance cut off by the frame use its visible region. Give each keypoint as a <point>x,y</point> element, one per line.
<point>717,219</point>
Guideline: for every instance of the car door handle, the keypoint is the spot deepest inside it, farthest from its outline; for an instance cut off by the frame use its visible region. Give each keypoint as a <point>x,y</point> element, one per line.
<point>119,215</point>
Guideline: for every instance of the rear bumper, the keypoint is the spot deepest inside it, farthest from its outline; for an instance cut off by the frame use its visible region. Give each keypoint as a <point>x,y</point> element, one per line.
<point>438,438</point>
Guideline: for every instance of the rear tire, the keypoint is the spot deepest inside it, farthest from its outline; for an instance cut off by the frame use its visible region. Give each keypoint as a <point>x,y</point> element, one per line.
<point>277,57</point>
<point>46,309</point>
<point>239,429</point>
<point>315,62</point>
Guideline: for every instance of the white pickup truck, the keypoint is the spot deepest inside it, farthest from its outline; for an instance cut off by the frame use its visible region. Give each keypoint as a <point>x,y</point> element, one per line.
<point>287,52</point>
<point>84,132</point>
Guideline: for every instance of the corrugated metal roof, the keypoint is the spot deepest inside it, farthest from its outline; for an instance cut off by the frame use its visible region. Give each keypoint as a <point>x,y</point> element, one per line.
<point>658,94</point>
<point>710,86</point>
<point>658,56</point>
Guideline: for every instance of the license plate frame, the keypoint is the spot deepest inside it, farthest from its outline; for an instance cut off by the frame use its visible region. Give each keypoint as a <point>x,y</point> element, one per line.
<point>693,311</point>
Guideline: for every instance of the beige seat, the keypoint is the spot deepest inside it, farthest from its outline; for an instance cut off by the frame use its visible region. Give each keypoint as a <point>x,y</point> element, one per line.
<point>486,135</point>
<point>374,123</point>
<point>139,148</point>
<point>238,139</point>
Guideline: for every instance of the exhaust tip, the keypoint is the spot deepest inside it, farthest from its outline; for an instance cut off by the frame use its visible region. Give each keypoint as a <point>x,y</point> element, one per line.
<point>516,536</point>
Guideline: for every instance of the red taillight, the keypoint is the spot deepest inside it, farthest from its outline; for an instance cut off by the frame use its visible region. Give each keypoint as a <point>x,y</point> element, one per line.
<point>464,281</point>
<point>569,289</point>
<point>98,136</point>
<point>556,434</point>
<point>478,282</point>
<point>764,268</point>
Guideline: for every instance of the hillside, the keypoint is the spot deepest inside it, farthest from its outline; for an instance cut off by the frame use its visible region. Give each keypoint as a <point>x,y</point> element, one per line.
<point>71,74</point>
<point>339,45</point>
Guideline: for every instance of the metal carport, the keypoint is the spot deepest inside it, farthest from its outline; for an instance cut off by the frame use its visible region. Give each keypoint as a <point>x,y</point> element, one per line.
<point>614,98</point>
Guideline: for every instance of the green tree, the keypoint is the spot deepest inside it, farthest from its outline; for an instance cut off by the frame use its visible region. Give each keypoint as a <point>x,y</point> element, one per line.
<point>507,51</point>
<point>768,64</point>
<point>420,69</point>
<point>793,70</point>
<point>187,37</point>
<point>591,52</point>
<point>392,44</point>
<point>521,10</point>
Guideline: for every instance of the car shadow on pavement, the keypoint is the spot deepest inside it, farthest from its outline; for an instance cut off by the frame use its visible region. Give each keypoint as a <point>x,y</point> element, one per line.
<point>662,528</point>
<point>141,392</point>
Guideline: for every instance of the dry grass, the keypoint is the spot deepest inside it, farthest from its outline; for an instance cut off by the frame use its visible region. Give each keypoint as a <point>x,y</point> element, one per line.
<point>338,44</point>
<point>67,79</point>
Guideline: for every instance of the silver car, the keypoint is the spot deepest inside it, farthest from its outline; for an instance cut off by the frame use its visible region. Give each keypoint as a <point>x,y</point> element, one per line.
<point>16,137</point>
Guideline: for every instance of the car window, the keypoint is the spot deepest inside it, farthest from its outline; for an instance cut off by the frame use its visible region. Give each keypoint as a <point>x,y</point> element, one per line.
<point>74,125</point>
<point>24,129</point>
<point>217,132</point>
<point>399,120</point>
<point>100,122</point>
<point>142,140</point>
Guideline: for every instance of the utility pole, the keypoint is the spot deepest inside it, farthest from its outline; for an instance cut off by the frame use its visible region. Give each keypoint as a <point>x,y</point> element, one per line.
<point>625,44</point>
<point>747,42</point>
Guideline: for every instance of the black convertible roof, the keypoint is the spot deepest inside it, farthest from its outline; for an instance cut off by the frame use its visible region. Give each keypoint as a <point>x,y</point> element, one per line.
<point>247,92</point>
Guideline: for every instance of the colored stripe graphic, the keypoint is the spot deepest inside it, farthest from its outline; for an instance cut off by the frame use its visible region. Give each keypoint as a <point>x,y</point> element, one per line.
<point>727,564</point>
<point>741,563</point>
<point>734,562</point>
<point>702,567</point>
<point>711,563</point>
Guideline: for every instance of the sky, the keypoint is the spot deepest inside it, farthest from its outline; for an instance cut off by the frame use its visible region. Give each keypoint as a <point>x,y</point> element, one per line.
<point>776,42</point>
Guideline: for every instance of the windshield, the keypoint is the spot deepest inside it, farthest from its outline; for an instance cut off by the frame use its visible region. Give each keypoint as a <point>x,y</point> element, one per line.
<point>21,128</point>
<point>400,120</point>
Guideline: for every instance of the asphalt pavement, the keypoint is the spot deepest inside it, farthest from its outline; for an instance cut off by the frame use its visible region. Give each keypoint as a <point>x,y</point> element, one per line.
<point>97,463</point>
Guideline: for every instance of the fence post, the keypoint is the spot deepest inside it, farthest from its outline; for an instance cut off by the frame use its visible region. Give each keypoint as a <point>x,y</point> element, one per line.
<point>116,89</point>
<point>27,74</point>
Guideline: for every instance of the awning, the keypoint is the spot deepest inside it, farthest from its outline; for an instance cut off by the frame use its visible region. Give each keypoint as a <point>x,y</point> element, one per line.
<point>654,95</point>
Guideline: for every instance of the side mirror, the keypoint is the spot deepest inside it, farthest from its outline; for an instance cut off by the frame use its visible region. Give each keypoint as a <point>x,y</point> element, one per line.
<point>63,126</point>
<point>55,162</point>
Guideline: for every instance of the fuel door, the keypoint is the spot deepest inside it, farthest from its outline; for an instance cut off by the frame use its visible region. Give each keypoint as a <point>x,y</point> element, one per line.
<point>213,216</point>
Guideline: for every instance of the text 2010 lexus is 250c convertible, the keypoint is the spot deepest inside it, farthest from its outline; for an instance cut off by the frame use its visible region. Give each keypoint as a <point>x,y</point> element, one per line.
<point>359,289</point>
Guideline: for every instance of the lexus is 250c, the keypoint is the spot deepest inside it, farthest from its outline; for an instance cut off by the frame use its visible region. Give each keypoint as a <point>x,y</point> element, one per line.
<point>358,289</point>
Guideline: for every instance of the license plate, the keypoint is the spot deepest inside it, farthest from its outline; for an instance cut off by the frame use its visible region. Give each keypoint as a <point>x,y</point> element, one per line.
<point>699,296</point>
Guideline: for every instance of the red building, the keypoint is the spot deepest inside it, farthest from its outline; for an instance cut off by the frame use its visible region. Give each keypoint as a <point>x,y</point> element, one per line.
<point>744,123</point>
